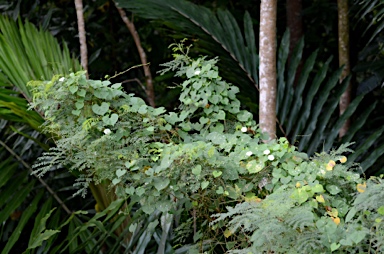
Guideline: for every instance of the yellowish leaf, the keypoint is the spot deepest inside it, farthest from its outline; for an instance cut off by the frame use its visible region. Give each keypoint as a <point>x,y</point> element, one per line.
<point>336,220</point>
<point>252,198</point>
<point>334,213</point>
<point>227,233</point>
<point>298,185</point>
<point>320,199</point>
<point>361,187</point>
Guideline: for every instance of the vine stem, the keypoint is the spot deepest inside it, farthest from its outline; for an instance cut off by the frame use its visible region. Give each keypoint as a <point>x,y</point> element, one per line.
<point>41,180</point>
<point>143,57</point>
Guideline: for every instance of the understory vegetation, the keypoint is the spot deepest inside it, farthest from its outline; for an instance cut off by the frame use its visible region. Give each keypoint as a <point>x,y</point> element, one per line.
<point>110,142</point>
<point>201,177</point>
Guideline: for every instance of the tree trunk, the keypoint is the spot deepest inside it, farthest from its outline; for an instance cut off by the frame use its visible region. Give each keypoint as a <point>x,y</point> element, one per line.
<point>82,37</point>
<point>267,67</point>
<point>343,25</point>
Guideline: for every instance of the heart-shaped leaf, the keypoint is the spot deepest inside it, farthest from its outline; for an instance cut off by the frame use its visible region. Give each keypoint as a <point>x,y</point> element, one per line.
<point>143,109</point>
<point>110,120</point>
<point>100,110</point>
<point>81,93</point>
<point>253,166</point>
<point>203,120</point>
<point>204,184</point>
<point>216,173</point>
<point>79,104</point>
<point>130,190</point>
<point>120,172</point>
<point>76,112</point>
<point>116,181</point>
<point>196,170</point>
<point>161,183</point>
<point>73,89</point>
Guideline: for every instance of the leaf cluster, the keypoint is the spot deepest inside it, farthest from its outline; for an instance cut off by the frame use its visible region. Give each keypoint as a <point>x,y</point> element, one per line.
<point>199,160</point>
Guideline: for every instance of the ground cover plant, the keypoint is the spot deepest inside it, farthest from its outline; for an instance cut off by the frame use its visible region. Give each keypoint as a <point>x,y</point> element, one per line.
<point>202,175</point>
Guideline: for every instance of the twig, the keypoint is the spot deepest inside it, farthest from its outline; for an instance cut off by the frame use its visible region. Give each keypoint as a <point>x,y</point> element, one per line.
<point>41,180</point>
<point>194,221</point>
<point>82,37</point>
<point>120,73</point>
<point>281,128</point>
<point>136,80</point>
<point>143,57</point>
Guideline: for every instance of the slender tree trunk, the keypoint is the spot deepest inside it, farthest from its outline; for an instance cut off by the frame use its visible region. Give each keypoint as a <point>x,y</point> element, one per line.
<point>143,57</point>
<point>82,37</point>
<point>267,67</point>
<point>343,25</point>
<point>294,22</point>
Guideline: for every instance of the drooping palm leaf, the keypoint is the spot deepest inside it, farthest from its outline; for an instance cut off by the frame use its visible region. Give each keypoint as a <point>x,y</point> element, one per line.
<point>372,10</point>
<point>369,15</point>
<point>25,53</point>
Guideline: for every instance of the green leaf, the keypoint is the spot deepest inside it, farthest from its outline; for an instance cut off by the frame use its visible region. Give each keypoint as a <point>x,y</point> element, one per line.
<point>116,181</point>
<point>23,221</point>
<point>143,109</point>
<point>350,214</point>
<point>81,93</point>
<point>16,199</point>
<point>73,89</point>
<point>110,120</point>
<point>100,110</point>
<point>120,173</point>
<point>204,184</point>
<point>196,170</point>
<point>333,189</point>
<point>79,104</point>
<point>300,195</point>
<point>244,116</point>
<point>216,138</point>
<point>216,173</point>
<point>161,183</point>
<point>42,234</point>
<point>7,171</point>
<point>380,210</point>
<point>254,166</point>
<point>318,188</point>
<point>76,112</point>
<point>335,246</point>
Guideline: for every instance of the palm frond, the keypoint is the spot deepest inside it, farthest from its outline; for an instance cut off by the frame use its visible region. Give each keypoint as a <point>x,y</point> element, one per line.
<point>27,53</point>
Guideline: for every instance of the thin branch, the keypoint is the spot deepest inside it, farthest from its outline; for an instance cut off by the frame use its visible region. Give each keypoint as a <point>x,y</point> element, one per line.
<point>281,128</point>
<point>82,37</point>
<point>143,57</point>
<point>41,180</point>
<point>120,73</point>
<point>135,80</point>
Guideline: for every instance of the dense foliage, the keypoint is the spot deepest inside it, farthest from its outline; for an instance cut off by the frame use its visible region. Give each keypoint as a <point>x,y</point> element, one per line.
<point>210,211</point>
<point>202,160</point>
